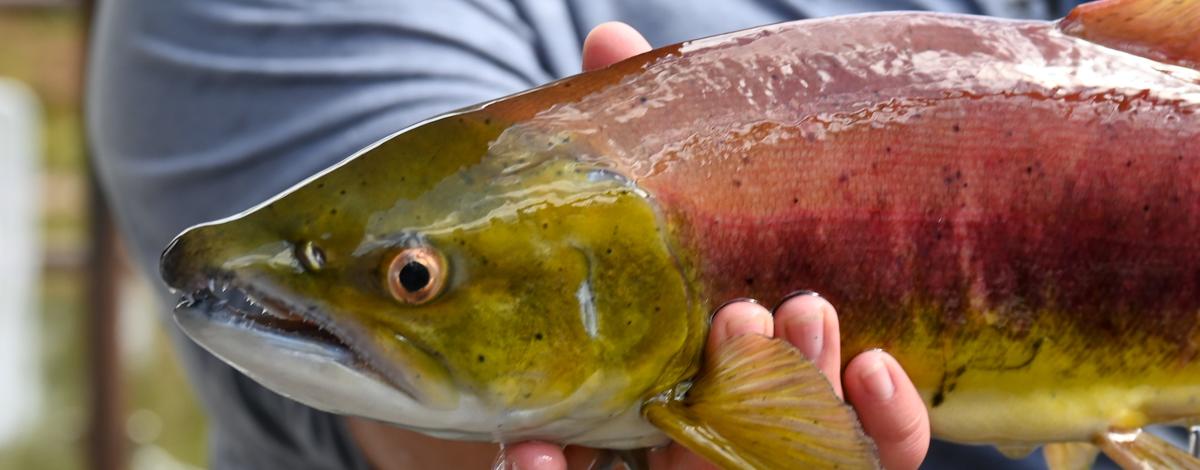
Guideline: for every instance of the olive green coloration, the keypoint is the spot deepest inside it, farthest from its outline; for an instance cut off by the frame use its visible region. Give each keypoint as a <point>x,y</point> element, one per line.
<point>546,262</point>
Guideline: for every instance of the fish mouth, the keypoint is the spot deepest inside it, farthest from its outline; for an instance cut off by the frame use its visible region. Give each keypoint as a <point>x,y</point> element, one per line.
<point>223,299</point>
<point>295,351</point>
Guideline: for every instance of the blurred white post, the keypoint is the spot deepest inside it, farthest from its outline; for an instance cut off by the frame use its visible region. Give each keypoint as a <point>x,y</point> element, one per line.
<point>20,159</point>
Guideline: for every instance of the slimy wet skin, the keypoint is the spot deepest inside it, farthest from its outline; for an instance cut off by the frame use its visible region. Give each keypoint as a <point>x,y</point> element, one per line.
<point>1010,208</point>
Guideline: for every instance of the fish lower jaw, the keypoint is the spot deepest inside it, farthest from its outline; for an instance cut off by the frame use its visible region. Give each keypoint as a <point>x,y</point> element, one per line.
<point>331,378</point>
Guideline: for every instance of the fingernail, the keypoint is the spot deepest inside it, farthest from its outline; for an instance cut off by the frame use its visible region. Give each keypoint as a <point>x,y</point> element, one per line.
<point>794,294</point>
<point>877,379</point>
<point>726,304</point>
<point>759,324</point>
<point>807,331</point>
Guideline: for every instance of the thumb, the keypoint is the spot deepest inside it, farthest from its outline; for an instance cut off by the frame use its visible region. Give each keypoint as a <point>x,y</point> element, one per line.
<point>610,43</point>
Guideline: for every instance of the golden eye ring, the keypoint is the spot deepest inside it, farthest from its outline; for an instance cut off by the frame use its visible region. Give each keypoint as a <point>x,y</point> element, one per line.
<point>416,275</point>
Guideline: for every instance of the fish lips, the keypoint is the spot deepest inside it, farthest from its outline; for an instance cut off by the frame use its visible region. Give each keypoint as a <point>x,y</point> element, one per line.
<point>297,353</point>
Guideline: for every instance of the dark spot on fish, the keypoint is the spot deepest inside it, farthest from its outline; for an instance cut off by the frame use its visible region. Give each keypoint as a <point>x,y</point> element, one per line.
<point>332,211</point>
<point>1128,163</point>
<point>795,200</point>
<point>362,182</point>
<point>487,121</point>
<point>843,178</point>
<point>342,192</point>
<point>528,394</point>
<point>545,225</point>
<point>566,85</point>
<point>642,99</point>
<point>1008,133</point>
<point>657,308</point>
<point>537,336</point>
<point>775,76</point>
<point>1146,208</point>
<point>745,160</point>
<point>887,149</point>
<point>749,281</point>
<point>481,359</point>
<point>956,128</point>
<point>483,260</point>
<point>320,185</point>
<point>960,371</point>
<point>1029,170</point>
<point>608,251</point>
<point>737,183</point>
<point>938,398</point>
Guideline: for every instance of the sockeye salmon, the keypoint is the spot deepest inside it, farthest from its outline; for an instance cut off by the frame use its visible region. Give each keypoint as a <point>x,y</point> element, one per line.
<point>1010,208</point>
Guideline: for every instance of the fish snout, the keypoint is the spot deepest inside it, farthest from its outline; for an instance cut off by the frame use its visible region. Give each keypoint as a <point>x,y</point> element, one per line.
<point>181,265</point>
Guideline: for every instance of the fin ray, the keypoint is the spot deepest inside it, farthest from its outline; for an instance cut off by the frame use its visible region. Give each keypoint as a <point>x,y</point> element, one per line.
<point>1142,450</point>
<point>760,404</point>
<point>1163,30</point>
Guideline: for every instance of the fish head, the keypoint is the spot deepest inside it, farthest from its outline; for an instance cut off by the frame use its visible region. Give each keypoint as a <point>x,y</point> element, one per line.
<point>454,277</point>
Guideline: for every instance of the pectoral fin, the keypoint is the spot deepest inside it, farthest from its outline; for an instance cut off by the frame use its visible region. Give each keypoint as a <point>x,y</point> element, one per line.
<point>1142,450</point>
<point>1070,455</point>
<point>759,404</point>
<point>1163,30</point>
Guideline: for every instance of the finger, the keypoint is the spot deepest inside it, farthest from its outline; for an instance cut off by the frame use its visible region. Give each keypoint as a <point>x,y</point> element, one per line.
<point>810,323</point>
<point>890,409</point>
<point>531,455</point>
<point>610,43</point>
<point>739,318</point>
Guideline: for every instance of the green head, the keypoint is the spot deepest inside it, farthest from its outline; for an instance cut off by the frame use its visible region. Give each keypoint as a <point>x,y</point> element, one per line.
<point>454,261</point>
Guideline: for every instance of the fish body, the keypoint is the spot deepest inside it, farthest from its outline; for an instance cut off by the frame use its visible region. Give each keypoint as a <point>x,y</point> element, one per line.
<point>1011,208</point>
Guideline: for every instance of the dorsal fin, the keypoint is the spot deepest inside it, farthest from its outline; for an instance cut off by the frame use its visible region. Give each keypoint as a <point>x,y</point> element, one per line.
<point>1163,30</point>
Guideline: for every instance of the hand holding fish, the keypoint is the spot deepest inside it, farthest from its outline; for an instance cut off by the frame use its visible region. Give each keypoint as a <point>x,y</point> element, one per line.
<point>885,399</point>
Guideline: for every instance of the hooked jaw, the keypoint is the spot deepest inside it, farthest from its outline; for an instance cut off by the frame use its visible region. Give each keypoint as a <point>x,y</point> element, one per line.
<point>246,320</point>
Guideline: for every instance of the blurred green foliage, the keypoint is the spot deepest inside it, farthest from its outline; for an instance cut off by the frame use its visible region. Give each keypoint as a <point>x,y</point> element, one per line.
<point>165,429</point>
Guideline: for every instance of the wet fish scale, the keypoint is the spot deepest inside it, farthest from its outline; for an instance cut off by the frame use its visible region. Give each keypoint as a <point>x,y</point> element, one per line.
<point>974,174</point>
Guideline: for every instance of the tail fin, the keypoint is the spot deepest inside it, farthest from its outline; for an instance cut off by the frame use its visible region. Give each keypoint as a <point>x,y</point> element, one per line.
<point>759,404</point>
<point>1163,30</point>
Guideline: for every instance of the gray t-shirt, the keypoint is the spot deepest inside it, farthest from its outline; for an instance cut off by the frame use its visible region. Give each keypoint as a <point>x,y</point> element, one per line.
<point>199,109</point>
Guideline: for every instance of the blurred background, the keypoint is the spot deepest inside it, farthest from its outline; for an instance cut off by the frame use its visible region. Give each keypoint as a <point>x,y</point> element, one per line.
<point>88,377</point>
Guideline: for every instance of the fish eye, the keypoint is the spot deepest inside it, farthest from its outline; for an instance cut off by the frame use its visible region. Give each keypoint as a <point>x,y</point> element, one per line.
<point>310,256</point>
<point>416,275</point>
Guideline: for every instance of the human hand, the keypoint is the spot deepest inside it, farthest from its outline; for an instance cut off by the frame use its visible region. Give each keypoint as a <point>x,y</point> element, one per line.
<point>886,401</point>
